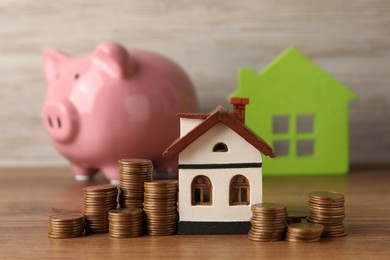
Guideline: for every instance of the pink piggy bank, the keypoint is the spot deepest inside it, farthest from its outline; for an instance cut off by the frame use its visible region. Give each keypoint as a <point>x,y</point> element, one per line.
<point>114,103</point>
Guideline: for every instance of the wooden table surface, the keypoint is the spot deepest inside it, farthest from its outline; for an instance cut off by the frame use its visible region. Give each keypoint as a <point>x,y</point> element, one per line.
<point>30,195</point>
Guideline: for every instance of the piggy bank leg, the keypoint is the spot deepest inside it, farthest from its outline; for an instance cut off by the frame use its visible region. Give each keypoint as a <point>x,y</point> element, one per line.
<point>83,173</point>
<point>112,173</point>
<point>166,168</point>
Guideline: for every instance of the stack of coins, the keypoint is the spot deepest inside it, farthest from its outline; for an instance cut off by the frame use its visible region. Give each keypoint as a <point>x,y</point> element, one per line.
<point>268,222</point>
<point>98,200</point>
<point>304,232</point>
<point>125,222</point>
<point>160,207</point>
<point>327,208</point>
<point>66,225</point>
<point>133,174</point>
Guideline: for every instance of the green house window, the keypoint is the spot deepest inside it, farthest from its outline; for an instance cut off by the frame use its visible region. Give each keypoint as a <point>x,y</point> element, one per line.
<point>293,135</point>
<point>280,124</point>
<point>305,123</point>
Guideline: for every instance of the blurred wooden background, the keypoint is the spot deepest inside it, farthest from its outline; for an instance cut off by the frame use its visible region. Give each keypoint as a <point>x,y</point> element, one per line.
<point>210,39</point>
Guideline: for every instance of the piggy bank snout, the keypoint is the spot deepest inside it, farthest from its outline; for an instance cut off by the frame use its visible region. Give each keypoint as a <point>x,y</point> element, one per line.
<point>60,120</point>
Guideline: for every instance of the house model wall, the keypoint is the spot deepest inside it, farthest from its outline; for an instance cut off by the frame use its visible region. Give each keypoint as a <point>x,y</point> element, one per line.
<point>220,172</point>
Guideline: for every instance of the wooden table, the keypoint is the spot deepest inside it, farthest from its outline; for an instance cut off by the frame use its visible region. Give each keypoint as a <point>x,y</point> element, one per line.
<point>30,195</point>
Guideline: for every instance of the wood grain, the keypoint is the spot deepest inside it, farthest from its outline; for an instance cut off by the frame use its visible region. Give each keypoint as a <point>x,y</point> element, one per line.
<point>210,39</point>
<point>30,195</point>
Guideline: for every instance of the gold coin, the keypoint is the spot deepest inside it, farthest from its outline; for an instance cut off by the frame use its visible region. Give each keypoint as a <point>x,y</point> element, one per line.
<point>159,200</point>
<point>126,232</point>
<point>125,236</point>
<point>160,208</point>
<point>258,238</point>
<point>126,217</point>
<point>330,219</point>
<point>126,229</point>
<point>267,232</point>
<point>161,217</point>
<point>71,232</point>
<point>63,236</point>
<point>302,236</point>
<point>304,228</point>
<point>66,217</point>
<point>265,225</point>
<point>135,160</point>
<point>67,224</point>
<point>126,211</point>
<point>265,217</point>
<point>128,224</point>
<point>268,207</point>
<point>99,192</point>
<point>323,221</point>
<point>321,208</point>
<point>326,195</point>
<point>163,233</point>
<point>162,183</point>
<point>159,222</point>
<point>334,227</point>
<point>100,188</point>
<point>289,239</point>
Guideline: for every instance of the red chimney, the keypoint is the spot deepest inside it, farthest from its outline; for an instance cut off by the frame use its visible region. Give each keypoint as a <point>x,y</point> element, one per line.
<point>239,108</point>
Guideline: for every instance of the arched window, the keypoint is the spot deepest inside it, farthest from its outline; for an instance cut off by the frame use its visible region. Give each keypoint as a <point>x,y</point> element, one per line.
<point>201,191</point>
<point>220,147</point>
<point>239,191</point>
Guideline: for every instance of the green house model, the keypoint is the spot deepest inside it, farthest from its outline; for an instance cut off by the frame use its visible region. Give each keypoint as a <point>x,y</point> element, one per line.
<point>301,111</point>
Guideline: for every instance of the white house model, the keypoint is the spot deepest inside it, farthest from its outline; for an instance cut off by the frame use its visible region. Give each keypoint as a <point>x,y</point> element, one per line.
<point>220,171</point>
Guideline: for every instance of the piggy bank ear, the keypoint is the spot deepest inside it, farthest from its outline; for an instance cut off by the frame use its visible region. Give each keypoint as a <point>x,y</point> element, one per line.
<point>52,61</point>
<point>113,59</point>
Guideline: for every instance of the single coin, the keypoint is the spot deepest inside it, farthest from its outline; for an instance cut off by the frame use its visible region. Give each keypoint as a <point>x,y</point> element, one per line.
<point>100,188</point>
<point>268,207</point>
<point>125,211</point>
<point>302,240</point>
<point>66,217</point>
<point>326,195</point>
<point>305,228</point>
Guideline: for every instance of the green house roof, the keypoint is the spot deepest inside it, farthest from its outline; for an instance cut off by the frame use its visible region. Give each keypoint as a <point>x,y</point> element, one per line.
<point>294,72</point>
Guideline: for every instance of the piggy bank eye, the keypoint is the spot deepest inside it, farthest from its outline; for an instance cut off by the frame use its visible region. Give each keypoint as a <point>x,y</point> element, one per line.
<point>76,76</point>
<point>57,76</point>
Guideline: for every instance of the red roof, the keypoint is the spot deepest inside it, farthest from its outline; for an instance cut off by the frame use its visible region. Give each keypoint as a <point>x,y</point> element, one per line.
<point>193,115</point>
<point>219,115</point>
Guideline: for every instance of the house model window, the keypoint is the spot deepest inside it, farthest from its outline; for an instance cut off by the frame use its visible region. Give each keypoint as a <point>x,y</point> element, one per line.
<point>201,190</point>
<point>293,135</point>
<point>220,147</point>
<point>239,191</point>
